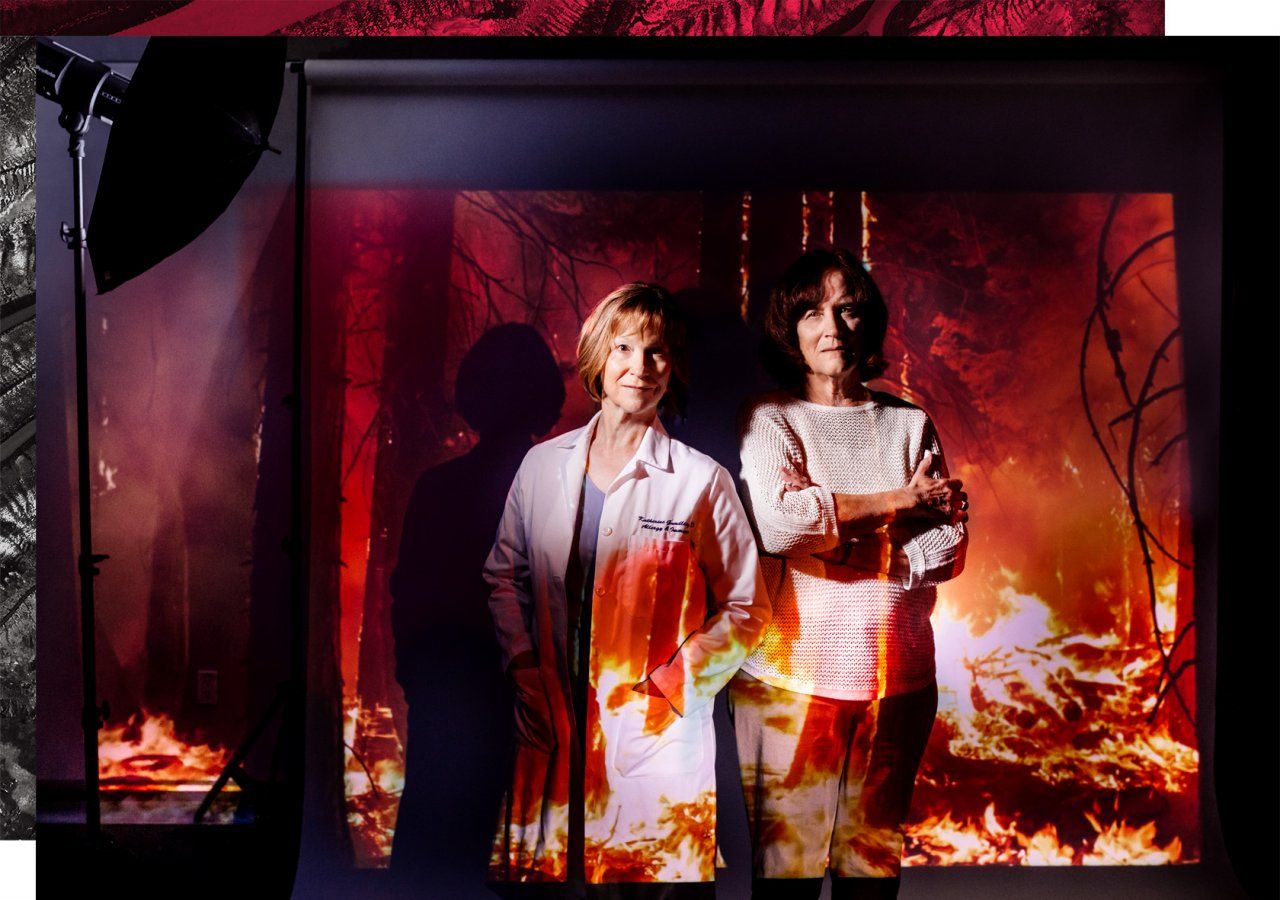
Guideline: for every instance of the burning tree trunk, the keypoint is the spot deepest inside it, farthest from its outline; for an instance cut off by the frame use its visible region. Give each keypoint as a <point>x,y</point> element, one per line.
<point>324,804</point>
<point>818,224</point>
<point>846,220</point>
<point>217,493</point>
<point>167,620</point>
<point>409,421</point>
<point>720,253</point>
<point>723,352</point>
<point>776,235</point>
<point>270,622</point>
<point>1130,468</point>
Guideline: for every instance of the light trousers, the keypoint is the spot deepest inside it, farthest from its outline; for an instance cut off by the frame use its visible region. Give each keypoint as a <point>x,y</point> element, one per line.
<point>828,782</point>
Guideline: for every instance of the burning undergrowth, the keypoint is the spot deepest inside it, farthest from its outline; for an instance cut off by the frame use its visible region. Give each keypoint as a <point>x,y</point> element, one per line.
<point>146,753</point>
<point>150,773</point>
<point>374,776</point>
<point>1045,752</point>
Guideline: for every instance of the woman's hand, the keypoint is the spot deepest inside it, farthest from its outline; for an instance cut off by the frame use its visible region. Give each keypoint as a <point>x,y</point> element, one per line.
<point>936,499</point>
<point>534,727</point>
<point>794,479</point>
<point>927,499</point>
<point>874,552</point>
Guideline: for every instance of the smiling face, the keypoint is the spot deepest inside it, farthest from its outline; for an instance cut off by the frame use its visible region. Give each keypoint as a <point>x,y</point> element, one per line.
<point>637,372</point>
<point>632,353</point>
<point>829,333</point>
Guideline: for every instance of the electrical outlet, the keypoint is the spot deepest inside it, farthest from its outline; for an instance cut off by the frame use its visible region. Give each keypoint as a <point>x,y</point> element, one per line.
<point>207,687</point>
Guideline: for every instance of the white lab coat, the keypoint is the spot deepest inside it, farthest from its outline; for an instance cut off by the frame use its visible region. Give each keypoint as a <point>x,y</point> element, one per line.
<point>678,599</point>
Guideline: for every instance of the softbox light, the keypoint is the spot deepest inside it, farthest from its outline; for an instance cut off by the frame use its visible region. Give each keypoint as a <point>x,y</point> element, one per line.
<point>195,121</point>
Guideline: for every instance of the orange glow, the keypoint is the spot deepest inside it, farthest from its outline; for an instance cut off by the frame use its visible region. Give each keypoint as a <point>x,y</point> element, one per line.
<point>1119,843</point>
<point>689,831</point>
<point>147,754</point>
<point>1071,709</point>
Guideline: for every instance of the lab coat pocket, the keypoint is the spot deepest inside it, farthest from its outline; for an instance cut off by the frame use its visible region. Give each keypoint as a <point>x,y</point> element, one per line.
<point>656,571</point>
<point>678,749</point>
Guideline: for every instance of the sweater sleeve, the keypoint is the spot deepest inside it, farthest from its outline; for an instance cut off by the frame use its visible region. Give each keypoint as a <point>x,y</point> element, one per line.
<point>788,523</point>
<point>936,554</point>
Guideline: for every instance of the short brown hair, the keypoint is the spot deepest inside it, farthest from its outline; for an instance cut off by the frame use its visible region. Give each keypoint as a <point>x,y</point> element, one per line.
<point>800,290</point>
<point>642,307</point>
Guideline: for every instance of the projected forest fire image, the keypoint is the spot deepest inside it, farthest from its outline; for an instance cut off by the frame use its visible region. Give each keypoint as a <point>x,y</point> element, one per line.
<point>1041,332</point>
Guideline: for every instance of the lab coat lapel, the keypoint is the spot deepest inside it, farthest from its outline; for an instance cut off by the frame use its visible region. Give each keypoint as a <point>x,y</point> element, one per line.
<point>573,469</point>
<point>655,449</point>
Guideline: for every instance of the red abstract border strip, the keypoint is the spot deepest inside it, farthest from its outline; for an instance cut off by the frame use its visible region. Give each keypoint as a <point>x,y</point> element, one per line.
<point>557,18</point>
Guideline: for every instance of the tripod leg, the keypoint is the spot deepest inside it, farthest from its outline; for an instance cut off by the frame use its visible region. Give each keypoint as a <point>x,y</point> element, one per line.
<point>232,768</point>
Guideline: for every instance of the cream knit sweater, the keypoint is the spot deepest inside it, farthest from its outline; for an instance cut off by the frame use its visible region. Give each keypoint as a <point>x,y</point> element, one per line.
<point>838,631</point>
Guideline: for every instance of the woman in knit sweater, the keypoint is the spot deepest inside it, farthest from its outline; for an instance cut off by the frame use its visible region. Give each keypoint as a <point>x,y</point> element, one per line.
<point>857,521</point>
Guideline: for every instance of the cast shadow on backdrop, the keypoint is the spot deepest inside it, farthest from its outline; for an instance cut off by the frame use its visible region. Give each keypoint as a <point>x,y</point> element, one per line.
<point>725,370</point>
<point>509,390</point>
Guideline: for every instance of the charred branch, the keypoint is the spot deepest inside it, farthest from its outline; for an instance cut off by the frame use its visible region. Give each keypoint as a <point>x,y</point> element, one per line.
<point>1105,286</point>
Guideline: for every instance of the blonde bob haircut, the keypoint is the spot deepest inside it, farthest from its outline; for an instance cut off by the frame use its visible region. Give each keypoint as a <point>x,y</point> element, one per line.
<point>635,307</point>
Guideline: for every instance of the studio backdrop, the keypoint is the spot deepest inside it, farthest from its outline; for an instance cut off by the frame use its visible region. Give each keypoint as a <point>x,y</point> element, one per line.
<point>1036,277</point>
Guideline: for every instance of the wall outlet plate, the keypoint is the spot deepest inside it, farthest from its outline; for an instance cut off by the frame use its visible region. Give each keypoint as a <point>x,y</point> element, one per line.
<point>207,687</point>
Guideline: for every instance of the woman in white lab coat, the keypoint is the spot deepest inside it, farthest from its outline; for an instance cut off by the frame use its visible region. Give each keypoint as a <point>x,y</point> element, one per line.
<point>625,594</point>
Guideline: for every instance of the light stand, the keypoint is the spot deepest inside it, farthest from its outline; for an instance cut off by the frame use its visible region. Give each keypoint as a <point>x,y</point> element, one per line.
<point>83,88</point>
<point>131,232</point>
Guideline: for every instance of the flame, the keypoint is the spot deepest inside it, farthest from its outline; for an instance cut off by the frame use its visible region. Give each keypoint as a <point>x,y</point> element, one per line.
<point>108,475</point>
<point>1119,843</point>
<point>1167,606</point>
<point>986,841</point>
<point>146,754</point>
